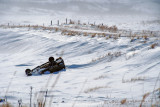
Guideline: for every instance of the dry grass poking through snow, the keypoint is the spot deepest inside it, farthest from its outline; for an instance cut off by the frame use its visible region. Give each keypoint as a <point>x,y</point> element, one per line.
<point>123,101</point>
<point>134,79</point>
<point>101,77</point>
<point>109,55</point>
<point>144,97</point>
<point>6,105</point>
<point>94,89</point>
<point>107,28</point>
<point>154,45</point>
<point>104,31</point>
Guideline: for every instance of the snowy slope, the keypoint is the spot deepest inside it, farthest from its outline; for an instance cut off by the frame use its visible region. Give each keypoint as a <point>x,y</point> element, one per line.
<point>98,71</point>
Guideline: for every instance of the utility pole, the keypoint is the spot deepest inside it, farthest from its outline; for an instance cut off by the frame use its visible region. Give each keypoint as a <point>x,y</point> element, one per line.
<point>31,97</point>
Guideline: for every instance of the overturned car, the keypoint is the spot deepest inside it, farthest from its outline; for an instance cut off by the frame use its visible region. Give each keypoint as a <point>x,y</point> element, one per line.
<point>51,66</point>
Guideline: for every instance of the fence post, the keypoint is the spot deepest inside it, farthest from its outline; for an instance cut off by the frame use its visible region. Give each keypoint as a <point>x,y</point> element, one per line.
<point>58,22</point>
<point>66,20</point>
<point>51,22</point>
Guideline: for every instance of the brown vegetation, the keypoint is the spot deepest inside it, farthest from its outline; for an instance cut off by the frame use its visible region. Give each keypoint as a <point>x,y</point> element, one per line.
<point>154,45</point>
<point>107,28</point>
<point>101,77</point>
<point>94,89</point>
<point>115,32</point>
<point>6,105</point>
<point>71,22</point>
<point>134,79</point>
<point>109,55</point>
<point>144,97</point>
<point>124,101</point>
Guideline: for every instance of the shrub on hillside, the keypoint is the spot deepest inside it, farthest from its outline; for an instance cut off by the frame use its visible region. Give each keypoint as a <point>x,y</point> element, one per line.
<point>154,45</point>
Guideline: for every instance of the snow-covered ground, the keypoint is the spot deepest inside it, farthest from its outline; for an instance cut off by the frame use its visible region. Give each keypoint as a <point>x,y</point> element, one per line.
<point>100,71</point>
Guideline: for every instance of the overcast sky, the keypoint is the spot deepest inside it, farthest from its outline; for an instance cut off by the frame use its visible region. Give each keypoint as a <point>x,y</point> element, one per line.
<point>86,7</point>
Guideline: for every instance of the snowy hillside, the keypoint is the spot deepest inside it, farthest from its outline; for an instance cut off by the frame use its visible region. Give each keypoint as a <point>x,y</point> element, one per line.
<point>111,50</point>
<point>100,70</point>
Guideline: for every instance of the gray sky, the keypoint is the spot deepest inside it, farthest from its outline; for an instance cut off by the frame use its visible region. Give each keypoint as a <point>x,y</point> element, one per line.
<point>86,7</point>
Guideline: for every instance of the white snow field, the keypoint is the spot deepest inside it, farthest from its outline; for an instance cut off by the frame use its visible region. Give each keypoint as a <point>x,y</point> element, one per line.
<point>98,72</point>
<point>104,68</point>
